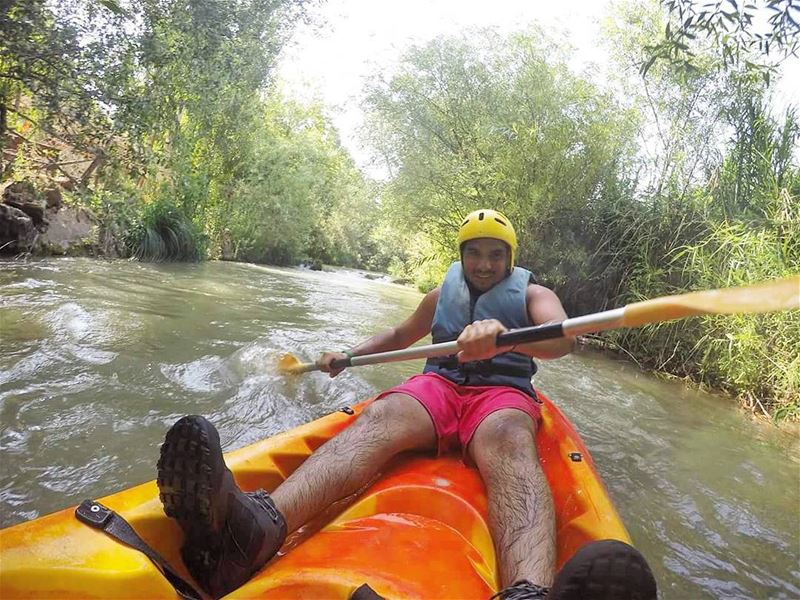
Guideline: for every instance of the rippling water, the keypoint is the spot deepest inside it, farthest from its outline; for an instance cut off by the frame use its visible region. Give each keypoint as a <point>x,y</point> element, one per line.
<point>99,358</point>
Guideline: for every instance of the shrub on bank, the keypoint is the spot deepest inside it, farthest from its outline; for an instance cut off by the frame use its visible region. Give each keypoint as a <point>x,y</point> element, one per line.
<point>162,232</point>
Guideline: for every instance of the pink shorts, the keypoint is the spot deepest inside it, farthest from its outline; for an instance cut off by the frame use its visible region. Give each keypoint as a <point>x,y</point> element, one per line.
<point>457,410</point>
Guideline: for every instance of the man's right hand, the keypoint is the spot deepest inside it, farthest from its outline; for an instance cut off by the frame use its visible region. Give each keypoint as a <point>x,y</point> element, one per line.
<point>324,362</point>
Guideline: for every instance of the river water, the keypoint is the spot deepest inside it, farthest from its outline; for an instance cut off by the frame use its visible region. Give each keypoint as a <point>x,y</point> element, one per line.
<point>99,358</point>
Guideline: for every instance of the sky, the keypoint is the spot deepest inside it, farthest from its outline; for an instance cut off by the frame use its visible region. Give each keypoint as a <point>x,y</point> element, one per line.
<point>330,58</point>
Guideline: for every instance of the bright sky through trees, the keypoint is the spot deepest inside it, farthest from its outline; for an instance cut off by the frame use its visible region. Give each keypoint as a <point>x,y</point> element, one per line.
<point>350,39</point>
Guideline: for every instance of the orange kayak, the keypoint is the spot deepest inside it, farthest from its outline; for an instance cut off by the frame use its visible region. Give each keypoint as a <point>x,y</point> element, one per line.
<point>420,531</point>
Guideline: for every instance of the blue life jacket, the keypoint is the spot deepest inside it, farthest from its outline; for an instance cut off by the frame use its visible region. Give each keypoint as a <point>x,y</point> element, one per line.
<point>455,309</point>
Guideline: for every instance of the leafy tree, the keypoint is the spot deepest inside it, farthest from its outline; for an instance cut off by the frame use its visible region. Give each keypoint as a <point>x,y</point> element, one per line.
<point>685,115</point>
<point>482,120</point>
<point>733,27</point>
<point>300,194</point>
<point>58,63</point>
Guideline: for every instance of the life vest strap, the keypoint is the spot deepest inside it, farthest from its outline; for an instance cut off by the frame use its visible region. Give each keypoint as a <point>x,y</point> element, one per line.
<point>481,367</point>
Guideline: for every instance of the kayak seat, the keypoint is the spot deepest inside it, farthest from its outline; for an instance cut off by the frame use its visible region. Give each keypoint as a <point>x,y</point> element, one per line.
<point>424,515</point>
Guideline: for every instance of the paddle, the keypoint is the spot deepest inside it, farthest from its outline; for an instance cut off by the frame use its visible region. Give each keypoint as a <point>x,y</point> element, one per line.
<point>781,294</point>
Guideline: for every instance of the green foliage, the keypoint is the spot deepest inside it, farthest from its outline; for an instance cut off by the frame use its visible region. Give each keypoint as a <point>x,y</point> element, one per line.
<point>299,195</point>
<point>730,26</point>
<point>172,104</point>
<point>483,120</point>
<point>743,228</point>
<point>55,56</point>
<point>184,124</point>
<point>422,262</point>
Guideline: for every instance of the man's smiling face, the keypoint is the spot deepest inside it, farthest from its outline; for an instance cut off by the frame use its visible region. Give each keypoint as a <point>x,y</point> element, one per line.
<point>485,262</point>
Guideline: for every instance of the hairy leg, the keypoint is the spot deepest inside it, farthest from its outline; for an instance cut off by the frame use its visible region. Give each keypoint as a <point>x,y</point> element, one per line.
<point>348,461</point>
<point>521,515</point>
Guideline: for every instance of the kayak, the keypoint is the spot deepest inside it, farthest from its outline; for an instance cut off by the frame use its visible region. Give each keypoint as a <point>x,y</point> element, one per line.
<point>419,531</point>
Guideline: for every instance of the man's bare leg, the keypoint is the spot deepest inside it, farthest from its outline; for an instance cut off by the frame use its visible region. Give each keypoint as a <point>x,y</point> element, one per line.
<point>351,459</point>
<point>521,515</point>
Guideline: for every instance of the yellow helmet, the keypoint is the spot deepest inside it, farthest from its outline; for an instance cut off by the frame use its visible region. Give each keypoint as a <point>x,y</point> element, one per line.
<point>488,223</point>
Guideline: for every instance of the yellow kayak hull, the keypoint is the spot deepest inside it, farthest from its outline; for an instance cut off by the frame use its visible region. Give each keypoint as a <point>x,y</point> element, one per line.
<point>420,531</point>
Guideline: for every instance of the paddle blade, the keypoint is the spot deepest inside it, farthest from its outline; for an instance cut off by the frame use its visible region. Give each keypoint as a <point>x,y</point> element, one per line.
<point>288,363</point>
<point>781,294</point>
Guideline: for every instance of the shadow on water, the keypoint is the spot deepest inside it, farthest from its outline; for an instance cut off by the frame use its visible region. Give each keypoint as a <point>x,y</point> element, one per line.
<point>99,358</point>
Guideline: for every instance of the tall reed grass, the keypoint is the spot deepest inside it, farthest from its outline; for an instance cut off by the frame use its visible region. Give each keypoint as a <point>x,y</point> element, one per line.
<point>162,232</point>
<point>742,227</point>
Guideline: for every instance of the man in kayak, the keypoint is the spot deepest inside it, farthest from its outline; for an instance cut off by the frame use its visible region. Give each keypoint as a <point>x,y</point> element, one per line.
<point>480,402</point>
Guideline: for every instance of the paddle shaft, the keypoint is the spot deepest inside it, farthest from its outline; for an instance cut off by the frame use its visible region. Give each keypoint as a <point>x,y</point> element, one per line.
<point>525,335</point>
<point>770,296</point>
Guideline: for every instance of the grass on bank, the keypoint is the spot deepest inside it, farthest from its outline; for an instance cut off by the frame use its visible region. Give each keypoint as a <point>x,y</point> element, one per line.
<point>161,232</point>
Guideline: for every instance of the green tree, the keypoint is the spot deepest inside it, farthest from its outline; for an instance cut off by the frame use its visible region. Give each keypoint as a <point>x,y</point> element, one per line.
<point>483,120</point>
<point>59,65</point>
<point>300,196</point>
<point>733,29</point>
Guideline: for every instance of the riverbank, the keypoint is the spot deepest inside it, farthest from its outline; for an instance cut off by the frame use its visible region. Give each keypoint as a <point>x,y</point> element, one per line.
<point>36,221</point>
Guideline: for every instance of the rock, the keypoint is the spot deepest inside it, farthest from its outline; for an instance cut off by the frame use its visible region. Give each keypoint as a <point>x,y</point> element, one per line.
<point>312,264</point>
<point>53,198</point>
<point>17,231</point>
<point>22,195</point>
<point>20,190</point>
<point>70,231</point>
<point>66,183</point>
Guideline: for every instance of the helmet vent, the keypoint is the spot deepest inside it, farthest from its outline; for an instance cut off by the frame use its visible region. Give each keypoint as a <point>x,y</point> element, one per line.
<point>480,216</point>
<point>503,223</point>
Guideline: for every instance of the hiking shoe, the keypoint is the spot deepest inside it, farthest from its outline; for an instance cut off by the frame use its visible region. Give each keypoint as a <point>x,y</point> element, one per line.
<point>228,534</point>
<point>605,570</point>
<point>522,590</point>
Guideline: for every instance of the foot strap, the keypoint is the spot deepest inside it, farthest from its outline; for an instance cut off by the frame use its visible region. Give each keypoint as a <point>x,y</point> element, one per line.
<point>98,516</point>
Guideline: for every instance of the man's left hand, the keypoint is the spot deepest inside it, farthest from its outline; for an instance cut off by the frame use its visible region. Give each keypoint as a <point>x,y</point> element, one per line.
<point>478,341</point>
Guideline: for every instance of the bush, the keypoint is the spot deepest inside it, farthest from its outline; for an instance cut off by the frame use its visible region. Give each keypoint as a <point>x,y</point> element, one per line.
<point>162,232</point>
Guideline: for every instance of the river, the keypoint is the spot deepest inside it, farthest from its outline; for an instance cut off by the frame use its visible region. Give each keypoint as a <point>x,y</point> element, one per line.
<point>99,358</point>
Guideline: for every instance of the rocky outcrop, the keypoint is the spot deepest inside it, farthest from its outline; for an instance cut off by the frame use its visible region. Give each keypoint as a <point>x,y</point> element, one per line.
<point>22,195</point>
<point>69,231</point>
<point>22,217</point>
<point>40,223</point>
<point>17,232</point>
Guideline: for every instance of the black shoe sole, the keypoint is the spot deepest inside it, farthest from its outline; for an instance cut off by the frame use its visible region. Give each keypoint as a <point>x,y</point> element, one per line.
<point>192,474</point>
<point>605,570</point>
<point>194,486</point>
